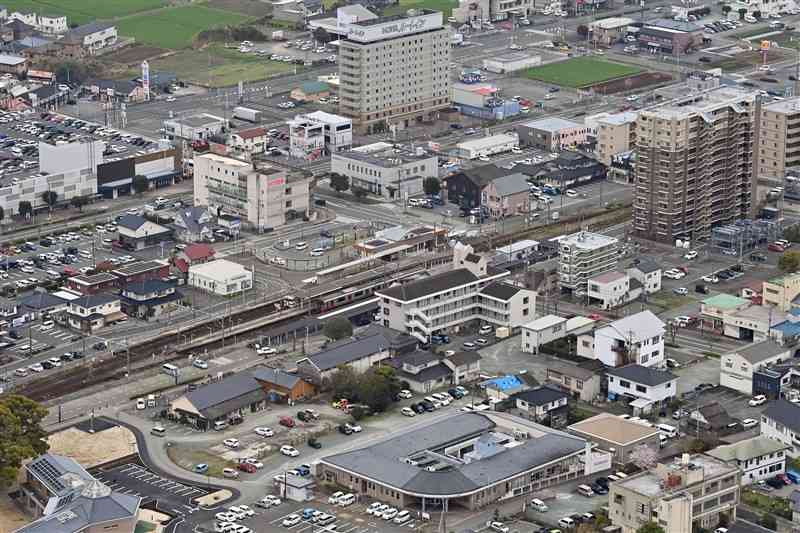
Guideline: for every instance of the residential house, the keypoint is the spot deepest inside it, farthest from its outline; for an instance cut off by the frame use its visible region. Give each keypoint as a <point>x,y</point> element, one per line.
<point>646,388</point>
<point>282,386</point>
<point>736,369</point>
<point>584,384</point>
<point>567,170</point>
<point>140,271</point>
<point>64,497</point>
<point>465,188</point>
<point>359,353</point>
<point>250,141</point>
<point>549,328</point>
<point>781,290</point>
<point>616,435</point>
<point>548,406</point>
<point>507,195</point>
<point>759,458</point>
<point>93,312</point>
<point>648,273</point>
<point>504,387</point>
<point>41,303</point>
<point>311,91</point>
<point>685,494</point>
<point>194,254</point>
<point>612,289</point>
<point>714,309</point>
<point>427,371</point>
<point>93,284</point>
<point>13,64</point>
<point>637,339</point>
<point>781,421</point>
<point>149,300</point>
<point>711,417</point>
<point>88,39</point>
<point>136,232</point>
<point>193,224</point>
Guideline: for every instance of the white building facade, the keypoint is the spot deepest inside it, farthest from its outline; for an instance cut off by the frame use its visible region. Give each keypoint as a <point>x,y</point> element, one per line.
<point>318,134</point>
<point>221,277</point>
<point>635,339</point>
<point>584,255</point>
<point>759,458</point>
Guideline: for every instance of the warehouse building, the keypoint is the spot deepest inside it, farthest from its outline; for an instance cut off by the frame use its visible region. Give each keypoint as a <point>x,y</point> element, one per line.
<point>469,460</point>
<point>221,276</point>
<point>482,101</point>
<point>486,146</point>
<point>511,62</point>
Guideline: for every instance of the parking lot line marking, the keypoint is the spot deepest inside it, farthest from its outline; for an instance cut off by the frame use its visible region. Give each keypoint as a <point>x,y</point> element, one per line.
<point>188,506</point>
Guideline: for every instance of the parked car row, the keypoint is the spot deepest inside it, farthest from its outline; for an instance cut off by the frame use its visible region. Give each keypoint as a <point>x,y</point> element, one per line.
<point>435,401</point>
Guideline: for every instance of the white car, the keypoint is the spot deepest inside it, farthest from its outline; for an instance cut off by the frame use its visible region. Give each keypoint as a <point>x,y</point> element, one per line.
<point>389,513</point>
<point>231,443</point>
<point>291,520</point>
<point>289,451</point>
<point>255,462</point>
<point>571,193</point>
<point>36,367</point>
<point>301,245</point>
<point>692,254</point>
<point>199,363</point>
<point>407,411</point>
<point>55,361</point>
<point>757,400</point>
<point>405,394</point>
<point>499,526</point>
<point>266,350</point>
<point>264,432</point>
<point>355,428</point>
<point>375,506</point>
<point>711,278</point>
<point>748,423</point>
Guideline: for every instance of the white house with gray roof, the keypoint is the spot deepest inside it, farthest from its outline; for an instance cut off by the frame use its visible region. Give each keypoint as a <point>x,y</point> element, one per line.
<point>469,460</point>
<point>634,339</point>
<point>758,457</point>
<point>781,421</point>
<point>646,388</point>
<point>736,368</point>
<point>65,498</point>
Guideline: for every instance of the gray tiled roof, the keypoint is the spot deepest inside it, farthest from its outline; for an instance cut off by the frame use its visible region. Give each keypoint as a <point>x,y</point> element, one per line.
<point>464,358</point>
<point>276,377</point>
<point>761,351</point>
<point>785,413</point>
<point>540,396</point>
<point>350,351</point>
<point>642,374</point>
<point>512,184</point>
<point>240,385</point>
<point>647,266</point>
<point>432,373</point>
<point>500,290</point>
<point>131,222</point>
<point>92,300</point>
<point>423,287</point>
<point>384,461</point>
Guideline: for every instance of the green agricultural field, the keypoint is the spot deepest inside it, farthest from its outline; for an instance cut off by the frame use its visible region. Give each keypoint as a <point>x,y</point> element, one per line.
<point>580,72</point>
<point>83,11</point>
<point>175,27</point>
<point>446,6</point>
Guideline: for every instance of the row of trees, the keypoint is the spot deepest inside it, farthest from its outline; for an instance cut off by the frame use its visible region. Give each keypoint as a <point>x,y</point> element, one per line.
<point>375,388</point>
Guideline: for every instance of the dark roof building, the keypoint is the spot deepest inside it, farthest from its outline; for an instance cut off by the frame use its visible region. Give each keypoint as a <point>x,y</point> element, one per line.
<point>644,375</point>
<point>370,347</point>
<point>433,284</point>
<point>500,291</point>
<point>459,459</point>
<point>785,413</point>
<point>541,396</point>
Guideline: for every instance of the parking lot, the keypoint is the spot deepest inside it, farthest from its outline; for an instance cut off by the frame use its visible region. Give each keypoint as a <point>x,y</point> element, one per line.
<point>137,480</point>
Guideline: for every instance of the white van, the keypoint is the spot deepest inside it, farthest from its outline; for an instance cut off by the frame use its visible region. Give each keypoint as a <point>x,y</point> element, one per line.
<point>140,404</point>
<point>539,505</point>
<point>47,325</point>
<point>151,400</point>
<point>663,441</point>
<point>585,490</point>
<point>347,499</point>
<point>158,431</point>
<point>334,498</point>
<point>566,522</point>
<point>402,516</point>
<point>170,370</point>
<point>670,431</point>
<point>219,425</point>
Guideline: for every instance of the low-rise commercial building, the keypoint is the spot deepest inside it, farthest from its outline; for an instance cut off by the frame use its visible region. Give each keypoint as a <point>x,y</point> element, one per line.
<point>736,369</point>
<point>511,62</point>
<point>689,493</point>
<point>457,462</point>
<point>582,256</point>
<point>759,458</point>
<point>194,127</point>
<point>714,310</point>
<point>249,142</point>
<point>507,196</point>
<point>264,196</point>
<point>221,276</point>
<point>616,435</point>
<point>609,31</point>
<point>670,37</point>
<point>383,171</point>
<point>483,101</point>
<point>318,134</point>
<point>486,146</point>
<point>135,232</point>
<point>646,389</point>
<point>781,291</point>
<point>612,289</point>
<point>552,134</point>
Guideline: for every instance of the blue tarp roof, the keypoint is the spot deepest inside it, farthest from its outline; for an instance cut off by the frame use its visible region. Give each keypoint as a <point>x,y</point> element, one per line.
<point>502,383</point>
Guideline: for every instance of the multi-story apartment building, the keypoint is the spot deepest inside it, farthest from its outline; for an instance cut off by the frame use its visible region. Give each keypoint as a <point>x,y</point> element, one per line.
<point>584,255</point>
<point>394,70</point>
<point>615,134</point>
<point>692,492</point>
<point>758,457</point>
<point>317,134</point>
<point>263,196</point>
<point>439,303</point>
<point>779,138</point>
<point>694,164</point>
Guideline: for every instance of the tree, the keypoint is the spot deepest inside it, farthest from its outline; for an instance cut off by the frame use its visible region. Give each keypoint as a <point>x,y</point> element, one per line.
<point>79,202</point>
<point>338,328</point>
<point>2,214</point>
<point>789,262</point>
<point>583,30</point>
<point>431,186</point>
<point>650,527</point>
<point>345,383</point>
<point>756,15</point>
<point>358,192</point>
<point>726,9</point>
<point>339,183</point>
<point>21,435</point>
<point>643,456</point>
<point>742,12</point>
<point>140,183</point>
<point>25,208</point>
<point>49,197</point>
<point>769,521</point>
<point>321,35</point>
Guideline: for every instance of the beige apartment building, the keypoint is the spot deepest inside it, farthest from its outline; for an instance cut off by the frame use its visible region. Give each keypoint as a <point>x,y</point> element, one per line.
<point>693,491</point>
<point>694,164</point>
<point>263,196</point>
<point>615,134</point>
<point>779,138</point>
<point>582,256</point>
<point>393,70</point>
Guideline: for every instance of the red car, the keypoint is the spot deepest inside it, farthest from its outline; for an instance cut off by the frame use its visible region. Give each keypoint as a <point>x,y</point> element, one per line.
<point>287,421</point>
<point>595,316</point>
<point>246,467</point>
<point>776,247</point>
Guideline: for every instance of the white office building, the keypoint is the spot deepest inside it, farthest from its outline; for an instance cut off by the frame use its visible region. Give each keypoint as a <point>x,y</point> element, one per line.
<point>318,134</point>
<point>394,70</point>
<point>221,277</point>
<point>194,127</point>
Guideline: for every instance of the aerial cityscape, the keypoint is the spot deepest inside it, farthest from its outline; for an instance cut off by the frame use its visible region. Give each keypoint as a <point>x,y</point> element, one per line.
<point>393,266</point>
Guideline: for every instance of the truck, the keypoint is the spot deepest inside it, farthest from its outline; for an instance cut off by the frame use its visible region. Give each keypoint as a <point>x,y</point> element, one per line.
<point>245,113</point>
<point>502,332</point>
<point>279,35</point>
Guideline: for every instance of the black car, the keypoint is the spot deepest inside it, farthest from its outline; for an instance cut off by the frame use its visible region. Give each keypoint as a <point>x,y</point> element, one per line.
<point>758,256</point>
<point>775,482</point>
<point>455,393</point>
<point>428,406</point>
<point>599,489</point>
<point>602,481</point>
<point>417,408</point>
<point>724,274</point>
<point>99,346</point>
<point>47,365</point>
<point>314,443</point>
<point>705,59</point>
<point>14,334</point>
